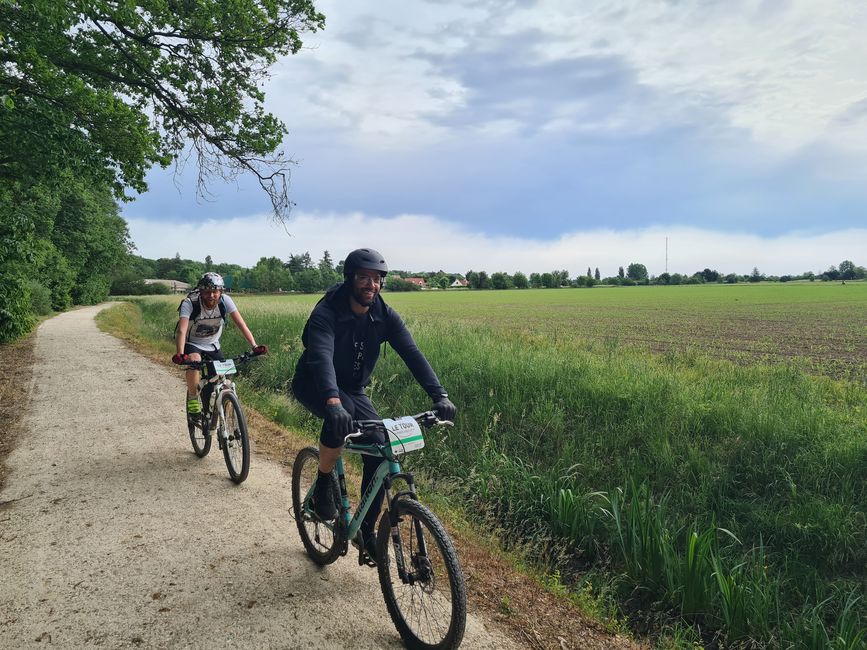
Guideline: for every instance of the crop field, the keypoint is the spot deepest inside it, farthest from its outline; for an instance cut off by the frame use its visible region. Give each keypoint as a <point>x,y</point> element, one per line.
<point>609,430</point>
<point>820,327</point>
<point>823,327</point>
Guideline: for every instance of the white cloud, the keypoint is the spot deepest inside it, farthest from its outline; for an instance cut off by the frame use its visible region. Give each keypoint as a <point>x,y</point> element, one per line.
<point>785,72</point>
<point>425,243</point>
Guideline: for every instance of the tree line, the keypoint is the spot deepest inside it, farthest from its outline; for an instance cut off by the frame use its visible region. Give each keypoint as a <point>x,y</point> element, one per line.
<point>268,275</point>
<point>300,273</point>
<point>637,274</point>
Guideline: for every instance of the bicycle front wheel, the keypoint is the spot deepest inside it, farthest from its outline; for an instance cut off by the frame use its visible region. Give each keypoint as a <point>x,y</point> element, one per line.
<point>321,541</point>
<point>421,578</point>
<point>236,442</point>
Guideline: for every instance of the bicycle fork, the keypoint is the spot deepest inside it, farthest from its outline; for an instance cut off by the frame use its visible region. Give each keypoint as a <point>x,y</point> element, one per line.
<point>412,575</point>
<point>217,421</point>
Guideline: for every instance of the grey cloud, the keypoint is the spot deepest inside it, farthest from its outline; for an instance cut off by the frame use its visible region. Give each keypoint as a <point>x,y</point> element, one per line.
<point>364,33</point>
<point>510,80</point>
<point>853,113</point>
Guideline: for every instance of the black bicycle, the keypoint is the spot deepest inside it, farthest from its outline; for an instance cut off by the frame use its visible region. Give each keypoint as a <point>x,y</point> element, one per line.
<point>221,415</point>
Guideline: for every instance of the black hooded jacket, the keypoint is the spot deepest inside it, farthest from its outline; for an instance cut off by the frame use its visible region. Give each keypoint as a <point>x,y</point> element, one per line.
<point>341,349</point>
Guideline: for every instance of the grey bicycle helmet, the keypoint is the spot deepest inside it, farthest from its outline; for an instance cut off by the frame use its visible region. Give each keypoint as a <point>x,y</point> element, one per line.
<point>364,258</point>
<point>211,280</point>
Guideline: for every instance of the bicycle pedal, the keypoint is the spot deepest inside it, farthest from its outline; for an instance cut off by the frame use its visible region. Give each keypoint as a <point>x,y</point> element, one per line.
<point>365,560</point>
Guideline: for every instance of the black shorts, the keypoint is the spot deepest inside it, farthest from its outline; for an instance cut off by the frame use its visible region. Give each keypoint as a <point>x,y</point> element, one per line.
<point>207,355</point>
<point>354,400</point>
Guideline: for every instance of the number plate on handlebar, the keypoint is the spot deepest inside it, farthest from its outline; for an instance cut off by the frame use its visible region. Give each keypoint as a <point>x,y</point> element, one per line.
<point>224,367</point>
<point>404,434</point>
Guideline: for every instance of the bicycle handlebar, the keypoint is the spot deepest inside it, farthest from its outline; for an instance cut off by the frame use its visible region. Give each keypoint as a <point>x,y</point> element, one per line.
<point>426,419</point>
<point>240,359</point>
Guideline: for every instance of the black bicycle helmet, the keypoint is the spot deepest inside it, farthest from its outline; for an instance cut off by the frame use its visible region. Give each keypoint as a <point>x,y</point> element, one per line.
<point>364,258</point>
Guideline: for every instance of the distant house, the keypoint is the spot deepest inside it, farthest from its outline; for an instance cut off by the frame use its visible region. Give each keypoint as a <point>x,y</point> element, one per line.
<point>459,283</point>
<point>419,282</point>
<point>175,285</point>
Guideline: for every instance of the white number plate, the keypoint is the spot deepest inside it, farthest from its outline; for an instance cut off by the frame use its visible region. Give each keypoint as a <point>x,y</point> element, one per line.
<point>224,367</point>
<point>404,434</point>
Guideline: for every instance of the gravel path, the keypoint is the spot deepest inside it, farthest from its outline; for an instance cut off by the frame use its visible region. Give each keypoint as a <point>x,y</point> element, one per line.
<point>113,534</point>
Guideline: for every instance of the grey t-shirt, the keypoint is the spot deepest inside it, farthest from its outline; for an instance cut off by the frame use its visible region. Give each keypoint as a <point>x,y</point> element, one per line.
<point>204,333</point>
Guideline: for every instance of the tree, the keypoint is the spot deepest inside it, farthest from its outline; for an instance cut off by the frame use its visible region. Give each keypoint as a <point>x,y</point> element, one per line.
<point>589,273</point>
<point>710,276</point>
<point>131,84</point>
<point>536,281</point>
<point>472,279</point>
<point>597,275</point>
<point>327,272</point>
<point>846,270</point>
<point>209,263</point>
<point>269,275</point>
<point>299,263</point>
<point>308,281</point>
<point>756,276</point>
<point>93,239</point>
<point>520,280</point>
<point>440,279</point>
<point>501,280</point>
<point>636,272</point>
<point>620,273</point>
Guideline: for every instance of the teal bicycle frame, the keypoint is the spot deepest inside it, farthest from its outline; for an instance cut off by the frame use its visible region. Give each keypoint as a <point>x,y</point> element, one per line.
<point>386,473</point>
<point>387,470</point>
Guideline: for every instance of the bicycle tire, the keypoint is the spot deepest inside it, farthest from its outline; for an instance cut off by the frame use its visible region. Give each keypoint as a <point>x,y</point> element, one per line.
<point>236,446</point>
<point>429,606</point>
<point>200,437</point>
<point>322,543</point>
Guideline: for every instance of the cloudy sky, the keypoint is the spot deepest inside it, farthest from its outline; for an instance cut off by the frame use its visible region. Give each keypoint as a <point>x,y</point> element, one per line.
<point>533,136</point>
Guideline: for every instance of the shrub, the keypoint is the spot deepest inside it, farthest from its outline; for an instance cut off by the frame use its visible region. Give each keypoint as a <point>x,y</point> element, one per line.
<point>40,298</point>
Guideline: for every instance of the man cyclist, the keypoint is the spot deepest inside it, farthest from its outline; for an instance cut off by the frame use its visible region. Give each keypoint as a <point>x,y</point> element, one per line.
<point>342,340</point>
<point>200,325</point>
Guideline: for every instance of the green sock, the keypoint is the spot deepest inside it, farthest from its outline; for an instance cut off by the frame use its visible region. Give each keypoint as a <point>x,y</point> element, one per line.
<point>193,406</point>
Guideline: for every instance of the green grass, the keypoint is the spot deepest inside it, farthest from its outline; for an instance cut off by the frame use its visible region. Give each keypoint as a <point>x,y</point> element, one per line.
<point>731,494</point>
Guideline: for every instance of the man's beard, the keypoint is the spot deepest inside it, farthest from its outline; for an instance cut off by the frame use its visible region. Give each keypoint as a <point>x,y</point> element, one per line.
<point>359,297</point>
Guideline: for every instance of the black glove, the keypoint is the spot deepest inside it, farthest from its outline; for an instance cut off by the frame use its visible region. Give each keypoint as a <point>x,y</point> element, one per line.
<point>179,358</point>
<point>338,419</point>
<point>445,408</point>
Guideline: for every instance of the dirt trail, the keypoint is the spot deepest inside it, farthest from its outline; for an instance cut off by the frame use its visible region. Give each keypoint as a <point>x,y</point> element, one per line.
<point>112,533</point>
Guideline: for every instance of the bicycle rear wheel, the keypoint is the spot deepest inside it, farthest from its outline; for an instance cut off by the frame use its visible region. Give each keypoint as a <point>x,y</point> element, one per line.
<point>321,541</point>
<point>421,578</point>
<point>236,444</point>
<point>199,434</point>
